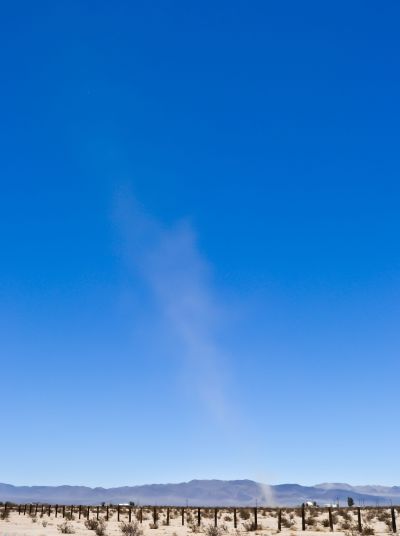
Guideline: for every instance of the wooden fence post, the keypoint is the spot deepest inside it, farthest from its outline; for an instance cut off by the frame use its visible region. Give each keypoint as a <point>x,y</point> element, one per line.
<point>118,512</point>
<point>19,509</point>
<point>234,518</point>
<point>88,512</point>
<point>359,519</point>
<point>330,519</point>
<point>30,508</point>
<point>97,512</point>
<point>36,509</point>
<point>107,517</point>
<point>42,509</point>
<point>215,517</point>
<point>167,516</point>
<point>56,510</point>
<point>24,509</point>
<point>155,515</point>
<point>49,512</point>
<point>255,518</point>
<point>394,528</point>
<point>279,520</point>
<point>72,510</point>
<point>183,516</point>
<point>198,517</point>
<point>303,517</point>
<point>80,511</point>
<point>141,515</point>
<point>130,514</point>
<point>63,510</point>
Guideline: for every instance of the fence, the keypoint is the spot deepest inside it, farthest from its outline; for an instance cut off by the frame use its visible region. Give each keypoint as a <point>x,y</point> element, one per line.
<point>196,514</point>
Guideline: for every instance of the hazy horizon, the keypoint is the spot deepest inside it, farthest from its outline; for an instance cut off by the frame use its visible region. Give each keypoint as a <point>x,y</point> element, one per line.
<point>121,485</point>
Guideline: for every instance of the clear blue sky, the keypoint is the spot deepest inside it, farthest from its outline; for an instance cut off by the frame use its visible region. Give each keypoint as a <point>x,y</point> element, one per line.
<point>200,256</point>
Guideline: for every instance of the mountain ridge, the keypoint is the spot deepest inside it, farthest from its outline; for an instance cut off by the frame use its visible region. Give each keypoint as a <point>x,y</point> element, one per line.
<point>205,493</point>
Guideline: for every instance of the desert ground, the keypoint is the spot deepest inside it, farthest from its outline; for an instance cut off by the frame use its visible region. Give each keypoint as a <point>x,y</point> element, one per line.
<point>374,521</point>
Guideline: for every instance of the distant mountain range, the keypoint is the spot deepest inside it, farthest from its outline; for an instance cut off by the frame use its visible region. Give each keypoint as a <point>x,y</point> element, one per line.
<point>205,493</point>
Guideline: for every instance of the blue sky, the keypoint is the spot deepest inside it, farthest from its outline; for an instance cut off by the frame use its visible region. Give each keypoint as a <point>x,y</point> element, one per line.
<point>199,219</point>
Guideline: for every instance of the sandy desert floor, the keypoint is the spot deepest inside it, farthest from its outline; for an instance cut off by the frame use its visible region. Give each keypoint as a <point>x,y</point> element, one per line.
<point>374,521</point>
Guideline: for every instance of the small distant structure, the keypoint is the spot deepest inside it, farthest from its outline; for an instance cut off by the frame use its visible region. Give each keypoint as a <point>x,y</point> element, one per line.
<point>331,505</point>
<point>310,504</point>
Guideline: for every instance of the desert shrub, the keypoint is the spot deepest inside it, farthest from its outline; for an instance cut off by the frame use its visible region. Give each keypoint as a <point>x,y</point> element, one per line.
<point>211,530</point>
<point>244,514</point>
<point>287,523</point>
<point>5,514</point>
<point>325,522</point>
<point>98,525</point>
<point>252,526</point>
<point>65,528</point>
<point>194,527</point>
<point>346,515</point>
<point>389,527</point>
<point>44,523</point>
<point>227,518</point>
<point>131,529</point>
<point>346,525</point>
<point>153,525</point>
<point>367,530</point>
<point>101,529</point>
<point>91,524</point>
<point>33,517</point>
<point>352,531</point>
